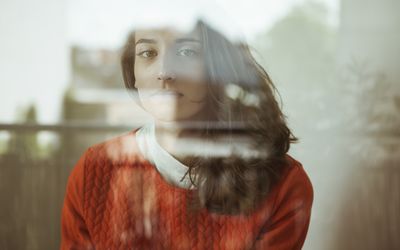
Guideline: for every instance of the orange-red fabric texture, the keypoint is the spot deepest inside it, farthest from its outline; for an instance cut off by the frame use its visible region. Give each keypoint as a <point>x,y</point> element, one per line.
<point>116,199</point>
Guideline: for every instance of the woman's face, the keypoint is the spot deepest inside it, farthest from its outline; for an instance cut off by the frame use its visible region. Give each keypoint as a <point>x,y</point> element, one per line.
<point>170,74</point>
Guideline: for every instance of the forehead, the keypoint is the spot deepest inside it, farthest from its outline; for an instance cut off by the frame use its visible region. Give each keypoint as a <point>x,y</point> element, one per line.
<point>166,34</point>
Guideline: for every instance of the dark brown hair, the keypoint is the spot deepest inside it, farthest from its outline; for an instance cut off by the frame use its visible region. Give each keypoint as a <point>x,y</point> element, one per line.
<point>232,184</point>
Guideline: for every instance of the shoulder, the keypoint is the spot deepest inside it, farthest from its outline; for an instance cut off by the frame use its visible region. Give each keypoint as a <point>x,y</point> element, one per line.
<point>99,164</point>
<point>287,221</point>
<point>101,159</point>
<point>296,175</point>
<point>294,189</point>
<point>122,149</point>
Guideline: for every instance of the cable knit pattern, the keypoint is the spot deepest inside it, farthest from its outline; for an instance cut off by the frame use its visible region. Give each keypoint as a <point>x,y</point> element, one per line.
<point>116,199</point>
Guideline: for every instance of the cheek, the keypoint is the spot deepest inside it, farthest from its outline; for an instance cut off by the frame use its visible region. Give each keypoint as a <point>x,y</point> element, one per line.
<point>143,76</point>
<point>194,70</point>
<point>196,84</point>
<point>144,84</point>
<point>197,90</point>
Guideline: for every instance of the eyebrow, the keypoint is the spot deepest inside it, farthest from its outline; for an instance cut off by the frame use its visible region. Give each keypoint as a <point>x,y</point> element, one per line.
<point>179,40</point>
<point>144,40</point>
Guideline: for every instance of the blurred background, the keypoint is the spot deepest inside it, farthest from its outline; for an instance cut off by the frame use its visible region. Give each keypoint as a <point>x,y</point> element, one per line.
<point>334,62</point>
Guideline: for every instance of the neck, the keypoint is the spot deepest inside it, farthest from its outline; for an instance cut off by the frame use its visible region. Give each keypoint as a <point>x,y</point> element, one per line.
<point>172,135</point>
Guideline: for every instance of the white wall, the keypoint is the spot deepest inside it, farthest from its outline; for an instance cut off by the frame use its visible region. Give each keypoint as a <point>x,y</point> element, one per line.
<point>34,57</point>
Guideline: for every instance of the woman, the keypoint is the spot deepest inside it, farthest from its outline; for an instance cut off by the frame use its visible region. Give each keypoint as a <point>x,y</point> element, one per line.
<point>212,170</point>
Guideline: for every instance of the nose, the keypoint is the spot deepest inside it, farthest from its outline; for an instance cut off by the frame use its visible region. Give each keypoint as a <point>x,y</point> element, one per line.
<point>166,76</point>
<point>167,67</point>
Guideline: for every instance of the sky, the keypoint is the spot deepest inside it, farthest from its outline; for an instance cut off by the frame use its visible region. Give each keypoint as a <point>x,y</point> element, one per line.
<point>34,46</point>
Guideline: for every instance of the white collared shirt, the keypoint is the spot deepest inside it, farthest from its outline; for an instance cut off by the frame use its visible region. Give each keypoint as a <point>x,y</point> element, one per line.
<point>169,167</point>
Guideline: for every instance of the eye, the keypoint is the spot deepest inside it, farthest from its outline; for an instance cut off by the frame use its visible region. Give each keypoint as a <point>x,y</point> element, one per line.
<point>147,53</point>
<point>187,52</point>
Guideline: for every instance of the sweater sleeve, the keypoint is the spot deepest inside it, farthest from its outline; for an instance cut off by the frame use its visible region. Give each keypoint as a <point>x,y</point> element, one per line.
<point>287,227</point>
<point>74,233</point>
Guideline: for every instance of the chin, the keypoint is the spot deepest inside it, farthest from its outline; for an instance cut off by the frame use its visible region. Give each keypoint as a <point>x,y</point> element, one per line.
<point>166,117</point>
<point>171,119</point>
<point>176,116</point>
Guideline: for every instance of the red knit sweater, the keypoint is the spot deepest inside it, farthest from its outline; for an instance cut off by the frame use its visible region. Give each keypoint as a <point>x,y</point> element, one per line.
<point>115,199</point>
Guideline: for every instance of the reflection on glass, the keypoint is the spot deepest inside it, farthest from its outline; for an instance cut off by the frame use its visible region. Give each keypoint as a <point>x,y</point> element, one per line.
<point>208,171</point>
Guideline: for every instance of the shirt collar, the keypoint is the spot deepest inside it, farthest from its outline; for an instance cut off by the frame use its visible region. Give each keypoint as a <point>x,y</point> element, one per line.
<point>169,167</point>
